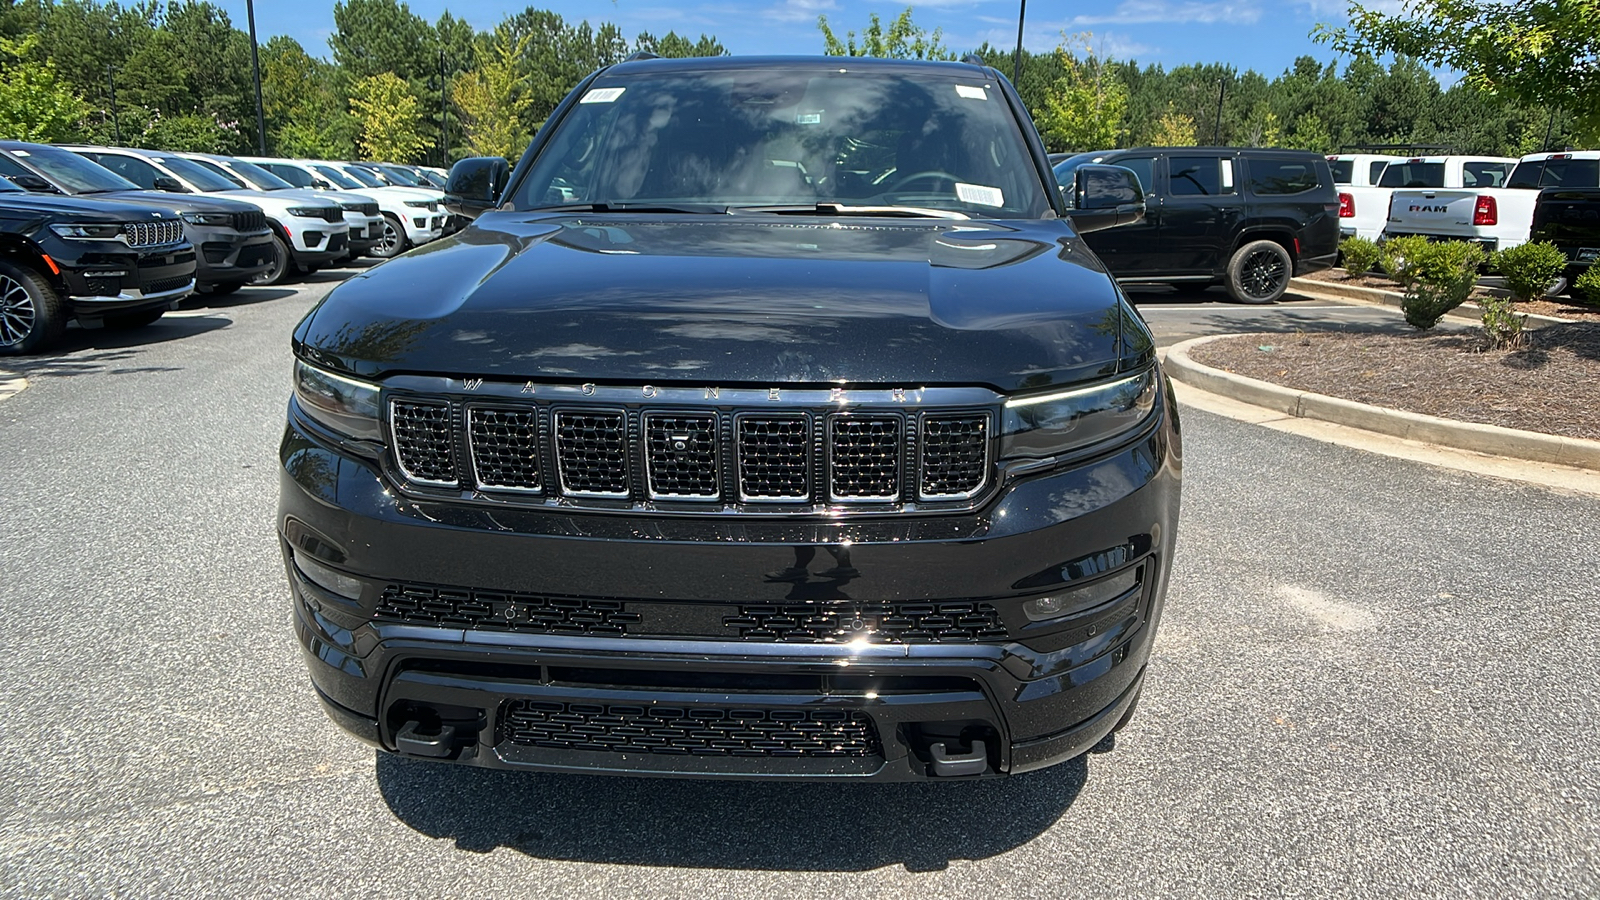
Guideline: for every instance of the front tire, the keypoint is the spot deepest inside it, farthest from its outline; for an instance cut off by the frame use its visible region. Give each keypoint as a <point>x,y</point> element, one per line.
<point>393,242</point>
<point>282,264</point>
<point>1259,272</point>
<point>32,315</point>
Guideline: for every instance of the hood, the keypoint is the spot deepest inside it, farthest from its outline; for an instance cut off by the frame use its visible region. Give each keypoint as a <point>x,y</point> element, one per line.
<point>83,209</point>
<point>181,202</point>
<point>754,301</point>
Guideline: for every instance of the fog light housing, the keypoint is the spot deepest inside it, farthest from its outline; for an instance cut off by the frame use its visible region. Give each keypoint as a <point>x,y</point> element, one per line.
<point>1073,600</point>
<point>330,580</point>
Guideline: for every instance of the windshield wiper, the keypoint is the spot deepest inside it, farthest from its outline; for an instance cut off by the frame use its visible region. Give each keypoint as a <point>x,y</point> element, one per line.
<point>696,208</point>
<point>839,209</point>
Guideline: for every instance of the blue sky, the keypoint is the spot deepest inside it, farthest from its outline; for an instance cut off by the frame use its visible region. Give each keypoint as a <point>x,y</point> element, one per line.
<point>1262,34</point>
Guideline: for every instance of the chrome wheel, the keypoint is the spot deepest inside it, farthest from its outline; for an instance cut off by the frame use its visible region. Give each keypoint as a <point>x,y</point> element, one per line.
<point>17,313</point>
<point>1263,274</point>
<point>390,242</point>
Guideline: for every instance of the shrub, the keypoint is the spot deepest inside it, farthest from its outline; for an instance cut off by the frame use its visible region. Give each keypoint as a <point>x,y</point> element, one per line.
<point>1529,268</point>
<point>1438,277</point>
<point>1396,255</point>
<point>1360,255</point>
<point>1587,288</point>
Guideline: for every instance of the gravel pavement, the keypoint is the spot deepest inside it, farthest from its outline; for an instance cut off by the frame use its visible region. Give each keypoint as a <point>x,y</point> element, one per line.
<point>1374,678</point>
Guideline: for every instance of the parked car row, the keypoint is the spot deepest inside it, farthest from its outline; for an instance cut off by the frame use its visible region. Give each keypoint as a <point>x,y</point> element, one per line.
<point>115,236</point>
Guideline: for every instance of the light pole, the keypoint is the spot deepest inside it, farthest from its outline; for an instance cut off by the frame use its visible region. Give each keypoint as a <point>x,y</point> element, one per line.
<point>444,115</point>
<point>116,123</point>
<point>255,69</point>
<point>1016,59</point>
<point>1222,90</point>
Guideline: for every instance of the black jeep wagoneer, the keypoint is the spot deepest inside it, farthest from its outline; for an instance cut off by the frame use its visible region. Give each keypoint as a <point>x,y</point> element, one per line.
<point>770,420</point>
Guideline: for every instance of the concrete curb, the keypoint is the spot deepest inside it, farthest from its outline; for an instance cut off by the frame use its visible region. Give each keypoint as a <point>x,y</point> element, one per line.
<point>11,384</point>
<point>1491,439</point>
<point>1328,290</point>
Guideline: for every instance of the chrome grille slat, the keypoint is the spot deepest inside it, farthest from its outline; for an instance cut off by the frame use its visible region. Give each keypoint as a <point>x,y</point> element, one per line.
<point>864,457</point>
<point>681,456</point>
<point>592,453</point>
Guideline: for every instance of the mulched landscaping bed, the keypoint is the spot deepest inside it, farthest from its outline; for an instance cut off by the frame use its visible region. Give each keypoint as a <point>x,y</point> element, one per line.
<point>1559,307</point>
<point>1550,385</point>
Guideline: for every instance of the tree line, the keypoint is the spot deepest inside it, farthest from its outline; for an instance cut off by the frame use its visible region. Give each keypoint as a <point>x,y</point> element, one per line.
<point>397,87</point>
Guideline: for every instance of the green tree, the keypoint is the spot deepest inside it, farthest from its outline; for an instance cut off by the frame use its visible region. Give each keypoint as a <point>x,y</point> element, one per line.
<point>493,98</point>
<point>1083,109</point>
<point>1311,133</point>
<point>1173,129</point>
<point>675,46</point>
<point>387,111</point>
<point>1538,52</point>
<point>306,117</point>
<point>35,103</point>
<point>903,39</point>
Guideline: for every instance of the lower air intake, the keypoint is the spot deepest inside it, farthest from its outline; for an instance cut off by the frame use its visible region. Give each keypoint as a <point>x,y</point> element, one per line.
<point>689,729</point>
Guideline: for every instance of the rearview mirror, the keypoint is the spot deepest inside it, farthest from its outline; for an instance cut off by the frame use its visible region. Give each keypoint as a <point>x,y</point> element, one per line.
<point>1103,197</point>
<point>475,184</point>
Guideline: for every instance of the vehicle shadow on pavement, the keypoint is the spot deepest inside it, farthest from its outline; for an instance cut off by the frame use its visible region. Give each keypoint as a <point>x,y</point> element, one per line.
<point>801,826</point>
<point>95,351</point>
<point>242,297</point>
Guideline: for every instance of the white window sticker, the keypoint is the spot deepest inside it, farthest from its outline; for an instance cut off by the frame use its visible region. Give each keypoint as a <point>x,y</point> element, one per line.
<point>602,95</point>
<point>980,194</point>
<point>1227,174</point>
<point>808,118</point>
<point>972,93</point>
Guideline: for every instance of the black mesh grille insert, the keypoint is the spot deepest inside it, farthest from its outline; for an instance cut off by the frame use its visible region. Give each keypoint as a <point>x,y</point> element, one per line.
<point>773,453</point>
<point>955,455</point>
<point>865,456</point>
<point>505,448</point>
<point>885,623</point>
<point>682,455</point>
<point>424,442</point>
<point>689,729</point>
<point>592,451</point>
<point>502,611</point>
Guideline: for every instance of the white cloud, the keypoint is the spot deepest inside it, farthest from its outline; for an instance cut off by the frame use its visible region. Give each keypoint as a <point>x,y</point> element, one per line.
<point>1199,12</point>
<point>800,10</point>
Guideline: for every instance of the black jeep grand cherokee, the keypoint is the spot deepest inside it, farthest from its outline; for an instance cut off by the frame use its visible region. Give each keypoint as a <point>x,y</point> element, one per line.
<point>773,421</point>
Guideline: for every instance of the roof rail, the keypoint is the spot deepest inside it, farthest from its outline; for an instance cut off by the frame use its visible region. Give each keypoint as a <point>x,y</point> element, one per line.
<point>641,54</point>
<point>973,59</point>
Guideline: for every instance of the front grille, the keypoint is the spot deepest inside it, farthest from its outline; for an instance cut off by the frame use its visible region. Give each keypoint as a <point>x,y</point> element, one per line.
<point>865,457</point>
<point>424,441</point>
<point>681,455</point>
<point>366,209</point>
<point>955,455</point>
<point>774,457</point>
<point>167,284</point>
<point>250,222</point>
<point>689,729</point>
<point>883,623</point>
<point>505,448</point>
<point>152,234</point>
<point>502,611</point>
<point>591,453</point>
<point>329,213</point>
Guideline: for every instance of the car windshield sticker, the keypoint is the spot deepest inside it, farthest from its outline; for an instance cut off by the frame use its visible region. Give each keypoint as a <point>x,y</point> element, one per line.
<point>1227,174</point>
<point>980,194</point>
<point>972,93</point>
<point>602,95</point>
<point>808,118</point>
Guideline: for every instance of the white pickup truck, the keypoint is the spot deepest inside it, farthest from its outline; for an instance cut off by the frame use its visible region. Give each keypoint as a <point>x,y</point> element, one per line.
<point>1363,206</point>
<point>1496,214</point>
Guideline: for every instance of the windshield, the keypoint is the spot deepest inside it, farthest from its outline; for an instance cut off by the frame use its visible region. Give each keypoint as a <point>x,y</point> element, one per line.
<point>434,178</point>
<point>197,175</point>
<point>260,178</point>
<point>73,172</point>
<point>6,187</point>
<point>1413,174</point>
<point>1342,170</point>
<point>401,175</point>
<point>790,136</point>
<point>339,179</point>
<point>366,178</point>
<point>210,166</point>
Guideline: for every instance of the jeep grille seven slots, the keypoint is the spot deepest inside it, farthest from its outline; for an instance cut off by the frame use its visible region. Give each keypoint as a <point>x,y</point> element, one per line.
<point>770,420</point>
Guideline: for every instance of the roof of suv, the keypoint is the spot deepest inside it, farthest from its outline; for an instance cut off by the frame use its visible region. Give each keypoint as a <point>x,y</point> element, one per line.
<point>712,63</point>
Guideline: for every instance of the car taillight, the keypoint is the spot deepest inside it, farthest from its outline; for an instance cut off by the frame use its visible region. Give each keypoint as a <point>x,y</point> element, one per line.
<point>1347,206</point>
<point>1487,212</point>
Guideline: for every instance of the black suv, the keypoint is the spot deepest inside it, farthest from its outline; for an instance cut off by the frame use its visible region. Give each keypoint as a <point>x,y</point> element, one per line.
<point>114,264</point>
<point>234,242</point>
<point>1569,217</point>
<point>1246,219</point>
<point>770,420</point>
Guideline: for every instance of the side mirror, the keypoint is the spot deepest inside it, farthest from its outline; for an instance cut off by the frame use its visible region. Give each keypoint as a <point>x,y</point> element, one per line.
<point>321,184</point>
<point>30,182</point>
<point>168,183</point>
<point>475,185</point>
<point>1103,197</point>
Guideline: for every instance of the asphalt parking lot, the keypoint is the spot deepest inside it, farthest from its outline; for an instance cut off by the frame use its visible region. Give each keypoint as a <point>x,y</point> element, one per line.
<point>1374,678</point>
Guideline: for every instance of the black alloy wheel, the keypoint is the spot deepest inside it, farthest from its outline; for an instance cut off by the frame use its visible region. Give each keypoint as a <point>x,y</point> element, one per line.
<point>280,267</point>
<point>1259,272</point>
<point>32,316</point>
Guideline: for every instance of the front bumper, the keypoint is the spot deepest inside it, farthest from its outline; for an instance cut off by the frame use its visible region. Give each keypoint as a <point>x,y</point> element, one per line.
<point>460,685</point>
<point>422,226</point>
<point>98,283</point>
<point>366,232</point>
<point>225,255</point>
<point>315,242</point>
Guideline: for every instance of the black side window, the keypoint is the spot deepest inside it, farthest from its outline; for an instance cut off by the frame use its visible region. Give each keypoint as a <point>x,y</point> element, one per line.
<point>292,174</point>
<point>1482,173</point>
<point>1571,173</point>
<point>1142,166</point>
<point>1342,170</point>
<point>1526,174</point>
<point>1376,172</point>
<point>1281,177</point>
<point>135,170</point>
<point>1197,176</point>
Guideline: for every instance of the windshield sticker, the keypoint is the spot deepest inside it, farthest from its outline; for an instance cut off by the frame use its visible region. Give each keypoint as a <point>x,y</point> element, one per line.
<point>980,194</point>
<point>602,95</point>
<point>808,118</point>
<point>972,93</point>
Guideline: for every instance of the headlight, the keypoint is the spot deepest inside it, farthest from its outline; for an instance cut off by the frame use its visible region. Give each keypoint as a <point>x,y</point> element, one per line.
<point>215,220</point>
<point>1043,425</point>
<point>345,405</point>
<point>423,204</point>
<point>305,212</point>
<point>88,232</point>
